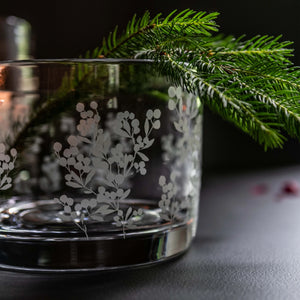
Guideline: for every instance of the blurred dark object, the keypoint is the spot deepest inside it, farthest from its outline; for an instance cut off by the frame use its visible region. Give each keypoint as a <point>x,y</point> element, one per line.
<point>15,38</point>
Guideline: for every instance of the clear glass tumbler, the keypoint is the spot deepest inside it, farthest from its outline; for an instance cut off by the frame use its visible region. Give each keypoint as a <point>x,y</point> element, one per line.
<point>99,165</point>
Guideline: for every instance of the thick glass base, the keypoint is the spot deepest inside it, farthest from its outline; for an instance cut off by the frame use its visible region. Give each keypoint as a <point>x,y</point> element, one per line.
<point>27,245</point>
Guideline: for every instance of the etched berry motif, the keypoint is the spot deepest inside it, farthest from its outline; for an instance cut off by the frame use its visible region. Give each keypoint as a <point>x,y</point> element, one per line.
<point>182,153</point>
<point>7,164</point>
<point>100,165</point>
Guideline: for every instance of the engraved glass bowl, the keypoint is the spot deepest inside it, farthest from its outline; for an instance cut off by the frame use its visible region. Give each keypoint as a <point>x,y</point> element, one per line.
<point>99,165</point>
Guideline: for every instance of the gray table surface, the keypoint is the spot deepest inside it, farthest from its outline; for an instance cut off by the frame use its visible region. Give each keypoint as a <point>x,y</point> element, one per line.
<point>247,247</point>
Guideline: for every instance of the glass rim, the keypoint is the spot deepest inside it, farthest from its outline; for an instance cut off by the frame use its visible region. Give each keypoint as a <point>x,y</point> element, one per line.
<point>74,60</point>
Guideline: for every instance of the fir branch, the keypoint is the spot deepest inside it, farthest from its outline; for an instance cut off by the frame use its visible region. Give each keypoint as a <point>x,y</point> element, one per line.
<point>288,111</point>
<point>277,78</point>
<point>262,46</point>
<point>139,32</point>
<point>253,79</point>
<point>230,108</point>
<point>251,83</point>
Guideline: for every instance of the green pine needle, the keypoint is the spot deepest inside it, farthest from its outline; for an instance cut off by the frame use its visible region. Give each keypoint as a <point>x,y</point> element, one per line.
<point>251,83</point>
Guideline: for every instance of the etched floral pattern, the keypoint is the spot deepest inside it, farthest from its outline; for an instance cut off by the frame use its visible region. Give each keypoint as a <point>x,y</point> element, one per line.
<point>181,151</point>
<point>93,156</point>
<point>98,159</point>
<point>7,164</point>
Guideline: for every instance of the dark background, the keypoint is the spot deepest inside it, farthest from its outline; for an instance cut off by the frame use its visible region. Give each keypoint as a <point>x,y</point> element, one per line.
<point>68,28</point>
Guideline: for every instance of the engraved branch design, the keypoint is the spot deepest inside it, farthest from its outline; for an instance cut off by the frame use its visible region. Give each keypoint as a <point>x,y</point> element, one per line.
<point>92,155</point>
<point>181,151</point>
<point>7,164</point>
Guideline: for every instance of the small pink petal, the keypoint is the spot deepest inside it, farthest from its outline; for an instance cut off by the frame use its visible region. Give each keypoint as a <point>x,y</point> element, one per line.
<point>259,189</point>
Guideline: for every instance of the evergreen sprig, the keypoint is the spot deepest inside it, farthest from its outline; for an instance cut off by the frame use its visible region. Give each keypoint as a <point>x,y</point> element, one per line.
<point>176,27</point>
<point>251,83</point>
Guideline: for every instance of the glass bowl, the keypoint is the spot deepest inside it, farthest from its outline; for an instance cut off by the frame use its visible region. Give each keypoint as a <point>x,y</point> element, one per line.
<point>100,164</point>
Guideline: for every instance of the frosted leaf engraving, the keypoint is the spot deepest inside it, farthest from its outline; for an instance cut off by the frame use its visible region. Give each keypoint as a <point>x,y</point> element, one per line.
<point>93,153</point>
<point>7,164</point>
<point>181,151</point>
